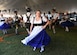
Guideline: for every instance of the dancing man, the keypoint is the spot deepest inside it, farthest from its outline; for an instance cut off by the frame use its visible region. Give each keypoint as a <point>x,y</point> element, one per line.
<point>55,16</point>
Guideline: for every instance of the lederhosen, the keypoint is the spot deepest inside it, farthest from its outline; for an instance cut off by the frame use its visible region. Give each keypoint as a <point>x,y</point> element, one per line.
<point>53,23</point>
<point>28,22</point>
<point>17,20</point>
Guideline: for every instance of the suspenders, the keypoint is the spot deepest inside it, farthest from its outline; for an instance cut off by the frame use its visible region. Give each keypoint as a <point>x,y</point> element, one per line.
<point>28,19</point>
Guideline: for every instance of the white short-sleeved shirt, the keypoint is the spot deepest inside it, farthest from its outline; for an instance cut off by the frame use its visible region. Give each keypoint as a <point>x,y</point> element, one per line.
<point>55,15</point>
<point>14,17</point>
<point>33,21</point>
<point>49,16</point>
<point>25,18</point>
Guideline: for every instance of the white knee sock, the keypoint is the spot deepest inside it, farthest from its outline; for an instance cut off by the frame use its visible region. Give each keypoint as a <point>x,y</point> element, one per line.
<point>67,29</point>
<point>42,49</point>
<point>54,31</point>
<point>16,31</point>
<point>5,31</point>
<point>27,30</point>
<point>34,48</point>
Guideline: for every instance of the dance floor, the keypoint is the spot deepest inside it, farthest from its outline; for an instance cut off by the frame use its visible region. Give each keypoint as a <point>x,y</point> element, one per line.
<point>63,43</point>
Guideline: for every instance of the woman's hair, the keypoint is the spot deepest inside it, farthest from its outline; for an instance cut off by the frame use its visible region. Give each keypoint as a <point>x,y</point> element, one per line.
<point>37,10</point>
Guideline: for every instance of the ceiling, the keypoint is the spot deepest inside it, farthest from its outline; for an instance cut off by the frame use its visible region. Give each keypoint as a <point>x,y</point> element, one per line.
<point>45,5</point>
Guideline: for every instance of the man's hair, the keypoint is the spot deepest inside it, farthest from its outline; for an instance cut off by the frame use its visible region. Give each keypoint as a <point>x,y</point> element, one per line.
<point>54,10</point>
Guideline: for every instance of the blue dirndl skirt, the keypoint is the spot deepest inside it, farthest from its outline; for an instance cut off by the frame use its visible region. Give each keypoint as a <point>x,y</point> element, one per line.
<point>41,39</point>
<point>4,26</point>
<point>37,40</point>
<point>67,24</point>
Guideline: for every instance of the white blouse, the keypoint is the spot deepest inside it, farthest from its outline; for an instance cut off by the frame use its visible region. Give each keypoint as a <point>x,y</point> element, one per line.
<point>34,21</point>
<point>2,18</point>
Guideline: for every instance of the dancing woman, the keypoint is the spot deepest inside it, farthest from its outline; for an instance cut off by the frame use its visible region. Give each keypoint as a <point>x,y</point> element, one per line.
<point>4,25</point>
<point>38,37</point>
<point>66,23</point>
